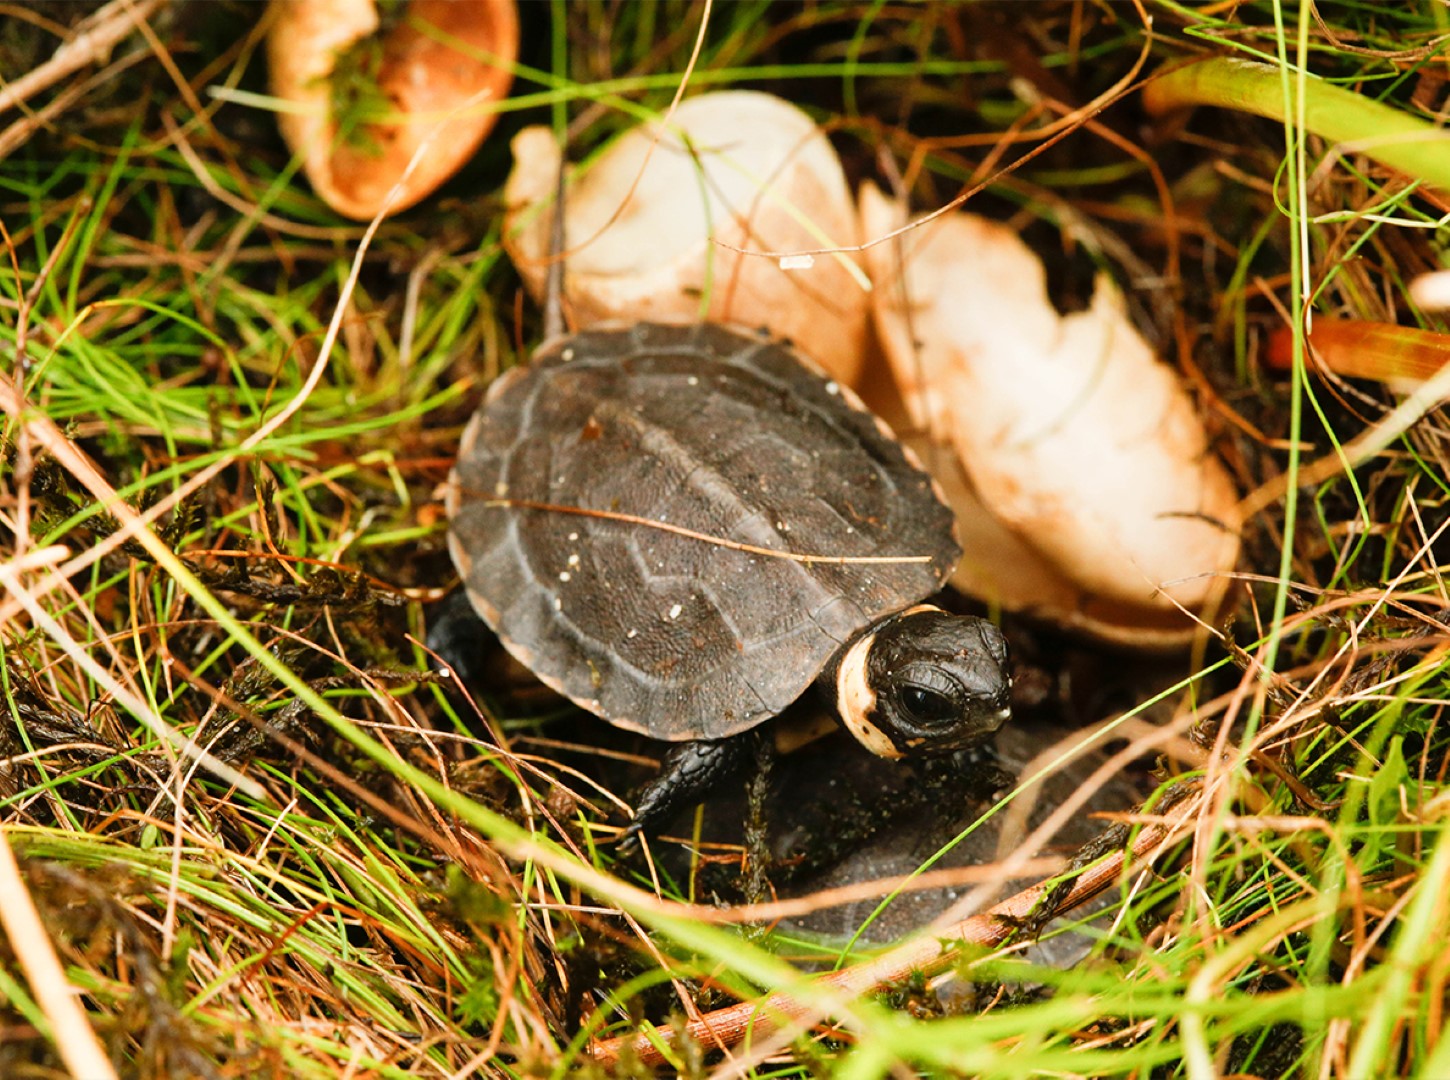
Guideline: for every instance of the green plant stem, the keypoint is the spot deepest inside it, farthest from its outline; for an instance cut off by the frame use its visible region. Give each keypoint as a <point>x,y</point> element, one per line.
<point>1389,135</point>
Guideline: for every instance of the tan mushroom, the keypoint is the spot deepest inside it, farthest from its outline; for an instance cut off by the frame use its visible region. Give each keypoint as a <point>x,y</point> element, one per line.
<point>442,95</point>
<point>1084,445</point>
<point>739,167</point>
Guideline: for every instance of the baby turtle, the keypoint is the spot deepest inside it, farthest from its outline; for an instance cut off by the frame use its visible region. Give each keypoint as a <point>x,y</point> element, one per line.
<point>683,527</point>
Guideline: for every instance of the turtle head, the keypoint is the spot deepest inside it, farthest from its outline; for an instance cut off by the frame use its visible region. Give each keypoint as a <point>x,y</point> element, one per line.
<point>924,682</point>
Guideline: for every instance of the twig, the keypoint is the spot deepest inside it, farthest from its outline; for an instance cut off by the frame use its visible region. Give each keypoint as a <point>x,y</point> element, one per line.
<point>71,1032</point>
<point>691,534</point>
<point>927,954</point>
<point>92,41</point>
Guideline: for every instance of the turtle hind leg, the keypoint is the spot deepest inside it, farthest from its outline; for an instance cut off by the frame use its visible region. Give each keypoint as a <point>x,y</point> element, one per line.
<point>456,635</point>
<point>687,774</point>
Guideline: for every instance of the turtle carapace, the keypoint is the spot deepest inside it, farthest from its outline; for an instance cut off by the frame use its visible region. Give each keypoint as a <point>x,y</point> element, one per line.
<point>682,527</point>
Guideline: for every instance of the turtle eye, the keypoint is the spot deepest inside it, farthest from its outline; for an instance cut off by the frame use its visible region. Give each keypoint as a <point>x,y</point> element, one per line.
<point>927,705</point>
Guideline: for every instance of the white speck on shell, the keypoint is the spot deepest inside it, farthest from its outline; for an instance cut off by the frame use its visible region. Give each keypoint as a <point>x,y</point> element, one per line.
<point>833,387</point>
<point>501,489</point>
<point>574,559</point>
<point>675,611</point>
<point>563,575</point>
<point>567,354</point>
<point>632,634</point>
<point>693,380</point>
<point>573,536</point>
<point>558,604</point>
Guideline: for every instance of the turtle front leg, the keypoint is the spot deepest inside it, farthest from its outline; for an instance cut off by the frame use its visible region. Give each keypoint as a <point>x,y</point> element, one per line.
<point>688,773</point>
<point>456,635</point>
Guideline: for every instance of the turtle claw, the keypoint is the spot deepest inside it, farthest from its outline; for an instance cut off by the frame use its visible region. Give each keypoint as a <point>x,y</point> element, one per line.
<point>630,838</point>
